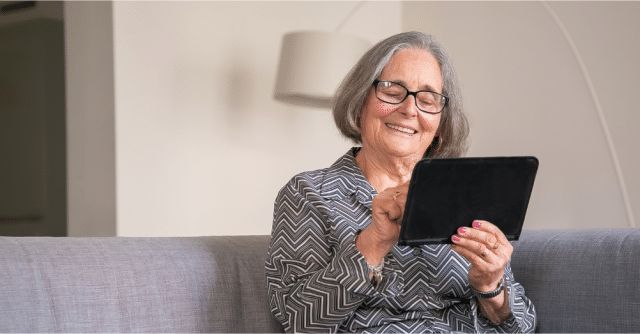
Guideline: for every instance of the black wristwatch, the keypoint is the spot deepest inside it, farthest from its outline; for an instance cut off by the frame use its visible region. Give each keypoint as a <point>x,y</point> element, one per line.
<point>485,295</point>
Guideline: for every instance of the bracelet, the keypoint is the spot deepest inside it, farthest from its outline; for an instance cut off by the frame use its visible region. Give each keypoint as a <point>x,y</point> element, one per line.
<point>491,294</point>
<point>377,270</point>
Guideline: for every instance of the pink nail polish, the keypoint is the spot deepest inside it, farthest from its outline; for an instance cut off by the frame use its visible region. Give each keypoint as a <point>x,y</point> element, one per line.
<point>455,238</point>
<point>462,230</point>
<point>476,224</point>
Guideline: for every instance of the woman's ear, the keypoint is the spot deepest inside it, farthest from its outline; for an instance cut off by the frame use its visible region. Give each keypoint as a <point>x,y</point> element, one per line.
<point>440,142</point>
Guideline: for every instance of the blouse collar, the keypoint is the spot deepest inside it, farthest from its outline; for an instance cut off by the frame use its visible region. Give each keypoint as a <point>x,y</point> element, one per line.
<point>344,179</point>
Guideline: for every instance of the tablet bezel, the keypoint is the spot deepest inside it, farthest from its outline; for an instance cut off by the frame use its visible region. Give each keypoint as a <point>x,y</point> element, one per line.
<point>468,181</point>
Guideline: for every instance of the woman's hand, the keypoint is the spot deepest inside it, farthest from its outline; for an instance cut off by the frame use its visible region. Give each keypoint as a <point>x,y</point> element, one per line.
<point>489,252</point>
<point>387,210</point>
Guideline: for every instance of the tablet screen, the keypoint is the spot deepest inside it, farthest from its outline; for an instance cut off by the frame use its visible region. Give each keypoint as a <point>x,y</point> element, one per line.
<point>445,194</point>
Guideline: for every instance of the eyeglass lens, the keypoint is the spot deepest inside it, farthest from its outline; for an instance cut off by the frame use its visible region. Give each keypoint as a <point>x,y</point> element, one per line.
<point>394,93</point>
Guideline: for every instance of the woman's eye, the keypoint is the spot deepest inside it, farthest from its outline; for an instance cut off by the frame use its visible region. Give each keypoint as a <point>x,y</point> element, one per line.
<point>394,94</point>
<point>427,102</point>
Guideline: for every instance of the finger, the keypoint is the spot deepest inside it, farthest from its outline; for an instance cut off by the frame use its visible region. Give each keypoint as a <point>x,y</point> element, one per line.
<point>484,262</point>
<point>398,191</point>
<point>486,226</point>
<point>395,212</point>
<point>491,241</point>
<point>404,188</point>
<point>384,205</point>
<point>398,195</point>
<point>476,253</point>
<point>401,200</point>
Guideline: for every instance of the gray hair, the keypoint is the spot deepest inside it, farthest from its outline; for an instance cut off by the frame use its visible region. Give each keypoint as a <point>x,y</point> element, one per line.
<point>453,131</point>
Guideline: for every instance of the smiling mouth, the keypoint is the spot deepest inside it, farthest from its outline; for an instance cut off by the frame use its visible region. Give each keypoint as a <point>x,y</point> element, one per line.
<point>401,129</point>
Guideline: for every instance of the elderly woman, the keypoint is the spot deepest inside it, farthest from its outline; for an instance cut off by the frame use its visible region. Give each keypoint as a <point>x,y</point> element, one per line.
<point>333,262</point>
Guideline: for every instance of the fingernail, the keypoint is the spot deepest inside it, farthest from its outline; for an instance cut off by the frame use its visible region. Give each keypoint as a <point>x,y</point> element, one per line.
<point>476,224</point>
<point>462,230</point>
<point>455,238</point>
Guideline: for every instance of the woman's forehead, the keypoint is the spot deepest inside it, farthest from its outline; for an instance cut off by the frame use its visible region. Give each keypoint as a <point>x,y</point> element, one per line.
<point>414,67</point>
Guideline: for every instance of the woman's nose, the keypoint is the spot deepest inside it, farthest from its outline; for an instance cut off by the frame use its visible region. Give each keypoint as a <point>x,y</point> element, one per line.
<point>408,106</point>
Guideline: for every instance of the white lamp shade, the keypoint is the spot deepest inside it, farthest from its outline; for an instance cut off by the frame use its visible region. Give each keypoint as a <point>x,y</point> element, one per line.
<point>312,65</point>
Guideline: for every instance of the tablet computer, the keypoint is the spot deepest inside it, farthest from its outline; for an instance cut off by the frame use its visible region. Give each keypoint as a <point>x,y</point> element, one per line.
<point>445,194</point>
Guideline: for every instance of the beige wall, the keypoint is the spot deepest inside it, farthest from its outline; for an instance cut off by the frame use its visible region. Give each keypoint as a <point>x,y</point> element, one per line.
<point>91,178</point>
<point>526,95</point>
<point>202,147</point>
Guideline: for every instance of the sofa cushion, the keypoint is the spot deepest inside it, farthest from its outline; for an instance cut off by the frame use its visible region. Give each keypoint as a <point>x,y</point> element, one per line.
<point>581,280</point>
<point>198,284</point>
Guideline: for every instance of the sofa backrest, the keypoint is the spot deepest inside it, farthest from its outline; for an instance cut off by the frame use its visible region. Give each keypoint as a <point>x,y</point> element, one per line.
<point>581,280</point>
<point>196,284</point>
<point>578,280</point>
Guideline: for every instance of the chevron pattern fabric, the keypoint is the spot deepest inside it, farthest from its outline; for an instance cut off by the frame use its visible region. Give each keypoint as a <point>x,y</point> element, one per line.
<point>319,282</point>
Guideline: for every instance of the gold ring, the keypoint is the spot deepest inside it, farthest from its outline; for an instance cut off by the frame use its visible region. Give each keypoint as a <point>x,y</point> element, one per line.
<point>485,252</point>
<point>497,244</point>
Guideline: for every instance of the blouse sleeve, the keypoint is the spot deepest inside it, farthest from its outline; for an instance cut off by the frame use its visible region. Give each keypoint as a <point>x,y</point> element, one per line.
<point>312,285</point>
<point>523,312</point>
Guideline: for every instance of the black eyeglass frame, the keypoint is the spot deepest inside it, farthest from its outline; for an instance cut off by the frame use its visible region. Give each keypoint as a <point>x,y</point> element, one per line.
<point>415,96</point>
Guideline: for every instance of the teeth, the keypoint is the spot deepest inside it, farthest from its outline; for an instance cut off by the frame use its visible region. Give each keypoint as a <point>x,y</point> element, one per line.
<point>401,129</point>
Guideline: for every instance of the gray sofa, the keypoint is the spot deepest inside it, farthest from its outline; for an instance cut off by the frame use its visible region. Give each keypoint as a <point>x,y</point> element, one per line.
<point>579,281</point>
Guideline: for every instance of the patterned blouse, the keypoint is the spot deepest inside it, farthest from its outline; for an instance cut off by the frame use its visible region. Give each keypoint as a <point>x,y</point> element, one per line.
<point>319,282</point>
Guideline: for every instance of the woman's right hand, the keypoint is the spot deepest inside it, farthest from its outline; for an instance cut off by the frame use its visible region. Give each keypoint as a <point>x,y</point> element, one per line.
<point>387,210</point>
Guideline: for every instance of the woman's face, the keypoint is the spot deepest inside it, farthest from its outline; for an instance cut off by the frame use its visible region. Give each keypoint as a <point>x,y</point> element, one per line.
<point>402,130</point>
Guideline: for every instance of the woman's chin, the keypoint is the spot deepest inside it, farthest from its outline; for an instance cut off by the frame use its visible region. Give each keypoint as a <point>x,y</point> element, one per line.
<point>404,151</point>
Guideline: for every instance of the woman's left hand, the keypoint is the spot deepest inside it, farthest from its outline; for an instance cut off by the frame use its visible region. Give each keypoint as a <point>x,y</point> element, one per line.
<point>488,251</point>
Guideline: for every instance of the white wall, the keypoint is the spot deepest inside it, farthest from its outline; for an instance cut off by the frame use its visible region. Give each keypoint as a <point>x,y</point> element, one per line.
<point>202,148</point>
<point>526,95</point>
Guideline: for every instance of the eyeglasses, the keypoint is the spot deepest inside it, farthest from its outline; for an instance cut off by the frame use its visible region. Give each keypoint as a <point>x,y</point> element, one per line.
<point>395,93</point>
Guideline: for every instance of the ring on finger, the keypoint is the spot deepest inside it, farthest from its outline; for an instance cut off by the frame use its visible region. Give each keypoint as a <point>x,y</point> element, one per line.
<point>497,244</point>
<point>485,252</point>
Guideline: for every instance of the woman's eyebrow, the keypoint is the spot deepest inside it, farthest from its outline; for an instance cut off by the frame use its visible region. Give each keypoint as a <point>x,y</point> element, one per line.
<point>421,88</point>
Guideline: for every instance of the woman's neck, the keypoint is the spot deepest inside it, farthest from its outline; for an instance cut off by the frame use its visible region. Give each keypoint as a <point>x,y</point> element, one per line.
<point>384,171</point>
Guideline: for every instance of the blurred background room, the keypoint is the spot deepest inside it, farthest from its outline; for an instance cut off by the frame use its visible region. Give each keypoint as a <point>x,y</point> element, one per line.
<point>134,118</point>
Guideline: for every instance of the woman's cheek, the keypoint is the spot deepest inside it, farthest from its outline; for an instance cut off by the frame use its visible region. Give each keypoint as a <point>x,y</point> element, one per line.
<point>430,125</point>
<point>385,107</point>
